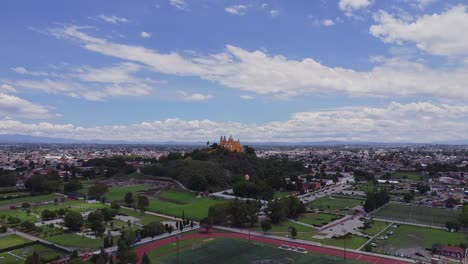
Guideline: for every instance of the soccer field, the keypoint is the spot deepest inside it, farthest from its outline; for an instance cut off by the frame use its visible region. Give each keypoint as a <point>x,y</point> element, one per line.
<point>417,214</point>
<point>233,251</point>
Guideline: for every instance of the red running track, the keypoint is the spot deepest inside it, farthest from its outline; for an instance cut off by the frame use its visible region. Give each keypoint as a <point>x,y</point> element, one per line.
<point>327,251</point>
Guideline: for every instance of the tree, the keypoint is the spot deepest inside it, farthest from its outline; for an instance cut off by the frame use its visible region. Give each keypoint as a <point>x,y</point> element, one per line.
<point>463,219</point>
<point>96,222</point>
<point>145,259</point>
<point>28,226</point>
<point>422,188</point>
<point>129,200</point>
<point>206,223</point>
<point>153,229</point>
<point>72,186</point>
<point>452,225</point>
<point>266,225</point>
<point>25,205</point>
<point>115,205</point>
<point>293,232</point>
<point>33,259</point>
<point>142,202</point>
<point>48,214</point>
<point>98,190</point>
<point>7,178</point>
<point>408,197</point>
<point>73,220</point>
<point>106,242</point>
<point>276,211</point>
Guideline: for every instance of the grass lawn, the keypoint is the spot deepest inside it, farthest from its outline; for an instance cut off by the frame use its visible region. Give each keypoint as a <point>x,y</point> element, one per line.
<point>196,209</point>
<point>144,218</point>
<point>32,199</point>
<point>9,259</point>
<point>73,240</point>
<point>354,242</point>
<point>170,248</point>
<point>177,196</point>
<point>331,203</point>
<point>20,214</point>
<point>12,240</point>
<point>376,227</point>
<point>233,251</point>
<point>279,194</point>
<point>417,214</point>
<point>407,236</point>
<point>75,205</point>
<point>318,219</point>
<point>414,176</point>
<point>118,193</point>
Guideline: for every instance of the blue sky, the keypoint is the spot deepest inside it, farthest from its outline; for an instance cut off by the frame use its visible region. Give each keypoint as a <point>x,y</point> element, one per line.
<point>369,70</point>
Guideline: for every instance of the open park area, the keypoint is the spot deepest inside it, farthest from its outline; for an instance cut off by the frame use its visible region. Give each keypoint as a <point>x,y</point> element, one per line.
<point>15,249</point>
<point>430,216</point>
<point>175,202</point>
<point>409,240</point>
<point>334,203</point>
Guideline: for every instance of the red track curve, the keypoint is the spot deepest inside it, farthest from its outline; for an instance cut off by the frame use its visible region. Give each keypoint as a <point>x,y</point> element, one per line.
<point>327,251</point>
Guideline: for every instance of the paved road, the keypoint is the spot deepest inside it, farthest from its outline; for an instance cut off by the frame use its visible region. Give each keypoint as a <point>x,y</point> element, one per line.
<point>327,191</point>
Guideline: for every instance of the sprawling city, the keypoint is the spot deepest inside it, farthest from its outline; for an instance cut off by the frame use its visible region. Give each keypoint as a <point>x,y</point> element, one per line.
<point>234,132</point>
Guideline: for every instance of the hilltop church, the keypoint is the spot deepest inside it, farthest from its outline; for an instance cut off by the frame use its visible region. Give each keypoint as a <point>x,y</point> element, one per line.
<point>231,144</point>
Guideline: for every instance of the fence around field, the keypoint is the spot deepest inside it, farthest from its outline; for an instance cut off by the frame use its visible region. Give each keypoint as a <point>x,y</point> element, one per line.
<point>32,243</point>
<point>414,214</point>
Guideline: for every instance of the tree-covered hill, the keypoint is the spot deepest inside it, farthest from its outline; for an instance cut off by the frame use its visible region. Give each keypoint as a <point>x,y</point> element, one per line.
<point>216,168</point>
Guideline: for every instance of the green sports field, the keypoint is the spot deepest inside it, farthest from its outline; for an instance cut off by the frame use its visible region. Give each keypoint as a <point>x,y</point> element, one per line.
<point>118,193</point>
<point>12,240</point>
<point>417,214</point>
<point>73,240</point>
<point>414,176</point>
<point>233,251</point>
<point>173,203</point>
<point>332,203</point>
<point>32,199</point>
<point>407,236</point>
<point>318,219</point>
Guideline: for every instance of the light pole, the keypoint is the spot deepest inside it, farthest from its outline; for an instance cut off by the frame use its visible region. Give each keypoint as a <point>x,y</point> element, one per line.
<point>177,243</point>
<point>345,234</point>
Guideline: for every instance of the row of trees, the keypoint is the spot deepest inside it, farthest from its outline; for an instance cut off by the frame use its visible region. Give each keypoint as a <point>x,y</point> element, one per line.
<point>376,199</point>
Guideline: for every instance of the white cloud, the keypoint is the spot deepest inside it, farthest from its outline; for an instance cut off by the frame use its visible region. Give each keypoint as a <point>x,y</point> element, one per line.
<point>274,12</point>
<point>144,34</point>
<point>236,10</point>
<point>194,97</point>
<point>7,88</point>
<point>437,34</point>
<point>277,75</point>
<point>113,19</point>
<point>328,22</point>
<point>349,6</point>
<point>413,122</point>
<point>247,97</point>
<point>179,4</point>
<point>92,83</point>
<point>15,107</point>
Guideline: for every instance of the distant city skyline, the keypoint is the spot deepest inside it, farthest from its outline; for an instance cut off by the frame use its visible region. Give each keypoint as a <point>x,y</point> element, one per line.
<point>262,71</point>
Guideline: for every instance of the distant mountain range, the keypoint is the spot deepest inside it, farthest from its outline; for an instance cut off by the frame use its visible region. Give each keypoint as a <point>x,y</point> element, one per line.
<point>17,138</point>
